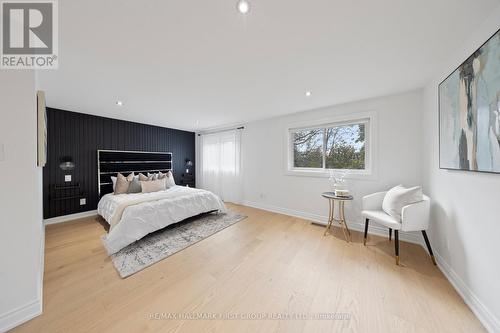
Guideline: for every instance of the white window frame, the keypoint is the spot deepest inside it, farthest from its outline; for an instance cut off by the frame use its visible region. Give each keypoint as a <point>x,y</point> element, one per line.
<point>368,118</point>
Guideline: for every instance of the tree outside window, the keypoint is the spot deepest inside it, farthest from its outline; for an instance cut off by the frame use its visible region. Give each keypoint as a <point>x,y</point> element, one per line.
<point>334,147</point>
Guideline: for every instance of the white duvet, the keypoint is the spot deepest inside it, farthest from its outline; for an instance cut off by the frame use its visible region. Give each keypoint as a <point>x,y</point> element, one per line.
<point>133,216</point>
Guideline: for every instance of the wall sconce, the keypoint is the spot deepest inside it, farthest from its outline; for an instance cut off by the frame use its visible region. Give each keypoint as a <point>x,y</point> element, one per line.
<point>67,163</point>
<point>189,164</point>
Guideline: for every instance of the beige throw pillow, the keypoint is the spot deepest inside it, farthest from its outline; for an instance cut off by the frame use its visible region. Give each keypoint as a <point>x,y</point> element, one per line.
<point>144,178</point>
<point>123,183</point>
<point>398,197</point>
<point>153,185</point>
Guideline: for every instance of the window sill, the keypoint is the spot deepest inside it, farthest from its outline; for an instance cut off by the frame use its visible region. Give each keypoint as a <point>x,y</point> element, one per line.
<point>358,174</point>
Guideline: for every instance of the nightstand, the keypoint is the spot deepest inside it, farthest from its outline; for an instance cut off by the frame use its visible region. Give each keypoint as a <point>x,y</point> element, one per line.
<point>66,192</point>
<point>188,180</point>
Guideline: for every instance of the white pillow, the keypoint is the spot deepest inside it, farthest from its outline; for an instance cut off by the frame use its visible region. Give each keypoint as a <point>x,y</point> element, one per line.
<point>153,185</point>
<point>153,176</point>
<point>398,197</point>
<point>170,179</point>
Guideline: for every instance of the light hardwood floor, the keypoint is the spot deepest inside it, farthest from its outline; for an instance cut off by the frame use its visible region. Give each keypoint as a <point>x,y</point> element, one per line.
<point>267,264</point>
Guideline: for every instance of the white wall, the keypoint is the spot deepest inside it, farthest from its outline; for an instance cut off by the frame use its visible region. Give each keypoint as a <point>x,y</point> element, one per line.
<point>21,229</point>
<point>398,159</point>
<point>465,227</point>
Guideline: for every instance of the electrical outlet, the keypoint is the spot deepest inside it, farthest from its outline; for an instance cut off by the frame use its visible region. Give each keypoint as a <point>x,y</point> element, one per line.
<point>67,178</point>
<point>83,201</point>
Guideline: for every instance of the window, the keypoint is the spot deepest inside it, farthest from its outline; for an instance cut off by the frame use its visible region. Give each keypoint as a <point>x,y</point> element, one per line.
<point>332,146</point>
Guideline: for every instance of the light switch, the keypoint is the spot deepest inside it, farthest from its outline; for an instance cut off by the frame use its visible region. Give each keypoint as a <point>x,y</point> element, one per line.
<point>67,178</point>
<point>2,152</point>
<point>83,202</point>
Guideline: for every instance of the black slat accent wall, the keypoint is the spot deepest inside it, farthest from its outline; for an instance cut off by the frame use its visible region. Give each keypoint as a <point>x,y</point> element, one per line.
<point>80,135</point>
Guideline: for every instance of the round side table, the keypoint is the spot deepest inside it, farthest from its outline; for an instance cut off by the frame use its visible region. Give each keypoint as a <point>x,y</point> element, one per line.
<point>332,200</point>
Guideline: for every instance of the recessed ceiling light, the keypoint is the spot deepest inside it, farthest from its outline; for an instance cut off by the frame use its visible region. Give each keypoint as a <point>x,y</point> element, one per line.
<point>243,6</point>
<point>308,93</point>
<point>119,103</point>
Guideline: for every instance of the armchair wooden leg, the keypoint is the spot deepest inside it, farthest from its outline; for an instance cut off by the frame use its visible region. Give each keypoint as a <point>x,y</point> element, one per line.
<point>428,246</point>
<point>390,234</point>
<point>366,231</point>
<point>396,245</point>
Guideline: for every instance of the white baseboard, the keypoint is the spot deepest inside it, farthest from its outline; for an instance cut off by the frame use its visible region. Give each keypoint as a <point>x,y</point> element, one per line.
<point>20,315</point>
<point>320,219</point>
<point>71,217</point>
<point>485,316</point>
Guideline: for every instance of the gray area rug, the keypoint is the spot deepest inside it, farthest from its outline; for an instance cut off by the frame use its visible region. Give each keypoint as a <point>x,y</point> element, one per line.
<point>172,239</point>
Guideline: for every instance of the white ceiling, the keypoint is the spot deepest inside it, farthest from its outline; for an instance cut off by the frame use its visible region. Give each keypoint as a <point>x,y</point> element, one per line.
<point>199,64</point>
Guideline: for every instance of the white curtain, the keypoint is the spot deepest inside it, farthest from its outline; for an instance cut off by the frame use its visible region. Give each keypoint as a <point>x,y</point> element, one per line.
<point>221,164</point>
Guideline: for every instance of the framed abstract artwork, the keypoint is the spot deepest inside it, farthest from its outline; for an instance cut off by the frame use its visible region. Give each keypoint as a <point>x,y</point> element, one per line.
<point>469,112</point>
<point>41,129</point>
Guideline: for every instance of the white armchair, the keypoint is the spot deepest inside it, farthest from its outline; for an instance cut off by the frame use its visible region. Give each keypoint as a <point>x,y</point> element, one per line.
<point>414,217</point>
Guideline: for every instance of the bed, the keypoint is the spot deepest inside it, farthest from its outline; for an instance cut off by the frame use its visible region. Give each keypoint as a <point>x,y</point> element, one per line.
<point>135,215</point>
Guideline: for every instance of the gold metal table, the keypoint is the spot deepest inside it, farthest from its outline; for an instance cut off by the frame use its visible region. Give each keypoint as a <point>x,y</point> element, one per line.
<point>332,200</point>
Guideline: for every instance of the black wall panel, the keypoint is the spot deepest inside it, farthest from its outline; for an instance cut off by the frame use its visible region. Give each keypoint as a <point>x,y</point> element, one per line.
<point>80,135</point>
